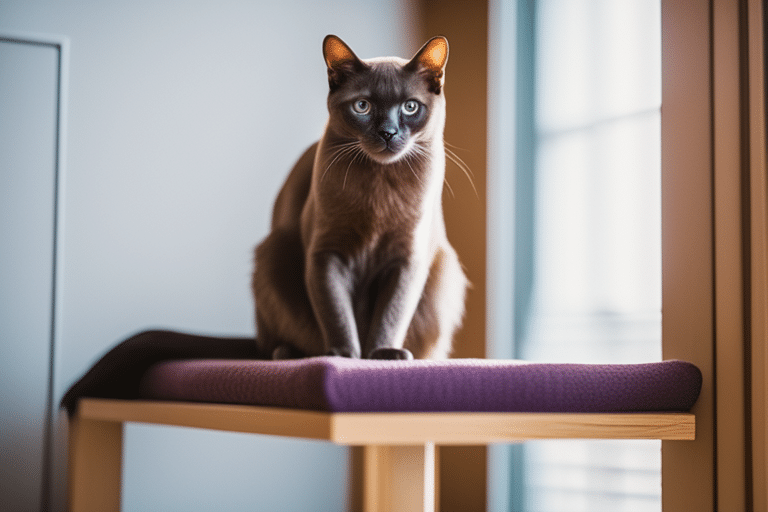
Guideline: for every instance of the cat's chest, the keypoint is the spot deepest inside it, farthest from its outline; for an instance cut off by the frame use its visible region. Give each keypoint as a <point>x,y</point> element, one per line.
<point>370,215</point>
<point>371,211</point>
<point>369,261</point>
<point>367,245</point>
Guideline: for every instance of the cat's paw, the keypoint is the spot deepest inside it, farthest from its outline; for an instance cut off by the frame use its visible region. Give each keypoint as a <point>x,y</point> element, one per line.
<point>391,354</point>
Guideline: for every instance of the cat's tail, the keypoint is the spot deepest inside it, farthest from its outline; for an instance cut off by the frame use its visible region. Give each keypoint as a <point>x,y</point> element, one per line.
<point>118,373</point>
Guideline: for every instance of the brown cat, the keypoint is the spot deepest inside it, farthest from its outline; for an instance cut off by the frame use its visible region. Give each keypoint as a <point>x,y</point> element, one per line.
<point>357,263</point>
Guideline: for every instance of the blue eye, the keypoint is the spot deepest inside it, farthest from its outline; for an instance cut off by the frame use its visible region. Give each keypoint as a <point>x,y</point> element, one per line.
<point>361,106</point>
<point>410,107</point>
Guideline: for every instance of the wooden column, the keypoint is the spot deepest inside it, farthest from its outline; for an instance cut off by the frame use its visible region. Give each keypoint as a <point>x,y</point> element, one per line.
<point>715,247</point>
<point>754,34</point>
<point>688,469</point>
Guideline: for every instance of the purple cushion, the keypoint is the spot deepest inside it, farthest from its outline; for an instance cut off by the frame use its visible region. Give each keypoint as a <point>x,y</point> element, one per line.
<point>346,385</point>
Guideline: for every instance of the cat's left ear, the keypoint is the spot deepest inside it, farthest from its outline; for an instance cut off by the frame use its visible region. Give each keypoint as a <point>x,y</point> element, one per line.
<point>340,60</point>
<point>431,60</point>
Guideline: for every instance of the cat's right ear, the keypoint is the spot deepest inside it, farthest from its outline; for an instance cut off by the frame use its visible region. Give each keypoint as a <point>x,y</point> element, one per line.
<point>431,60</point>
<point>340,59</point>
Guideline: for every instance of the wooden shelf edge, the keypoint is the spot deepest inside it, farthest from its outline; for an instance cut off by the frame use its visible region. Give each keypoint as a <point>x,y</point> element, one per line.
<point>357,429</point>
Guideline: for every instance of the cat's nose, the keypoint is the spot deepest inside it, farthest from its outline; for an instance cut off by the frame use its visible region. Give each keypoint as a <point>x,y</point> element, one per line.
<point>387,133</point>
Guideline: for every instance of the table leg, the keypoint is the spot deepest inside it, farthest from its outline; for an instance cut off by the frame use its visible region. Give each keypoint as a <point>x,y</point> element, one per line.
<point>95,465</point>
<point>402,478</point>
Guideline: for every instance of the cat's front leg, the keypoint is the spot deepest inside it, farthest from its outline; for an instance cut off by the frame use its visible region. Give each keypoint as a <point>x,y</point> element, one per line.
<point>399,294</point>
<point>329,284</point>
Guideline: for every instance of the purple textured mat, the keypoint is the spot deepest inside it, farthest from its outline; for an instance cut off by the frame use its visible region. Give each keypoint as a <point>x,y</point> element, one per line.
<point>346,385</point>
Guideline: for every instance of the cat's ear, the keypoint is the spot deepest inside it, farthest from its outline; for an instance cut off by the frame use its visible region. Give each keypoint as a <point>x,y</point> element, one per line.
<point>430,60</point>
<point>340,59</point>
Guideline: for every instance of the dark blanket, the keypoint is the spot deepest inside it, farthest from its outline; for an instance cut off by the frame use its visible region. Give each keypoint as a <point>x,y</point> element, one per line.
<point>118,373</point>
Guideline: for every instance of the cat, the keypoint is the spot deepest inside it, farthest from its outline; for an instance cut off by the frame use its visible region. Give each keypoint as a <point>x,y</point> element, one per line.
<point>357,263</point>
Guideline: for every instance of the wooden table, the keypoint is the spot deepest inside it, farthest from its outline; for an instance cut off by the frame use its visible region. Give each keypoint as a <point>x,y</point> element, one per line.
<point>399,448</point>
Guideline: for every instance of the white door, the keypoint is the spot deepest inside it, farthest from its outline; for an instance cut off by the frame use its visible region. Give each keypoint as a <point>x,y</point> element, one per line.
<point>28,104</point>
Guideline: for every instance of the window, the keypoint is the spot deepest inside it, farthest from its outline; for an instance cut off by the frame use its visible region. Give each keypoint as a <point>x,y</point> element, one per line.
<point>588,229</point>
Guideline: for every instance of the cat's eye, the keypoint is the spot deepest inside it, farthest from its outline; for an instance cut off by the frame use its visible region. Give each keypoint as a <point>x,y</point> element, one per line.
<point>410,107</point>
<point>361,106</point>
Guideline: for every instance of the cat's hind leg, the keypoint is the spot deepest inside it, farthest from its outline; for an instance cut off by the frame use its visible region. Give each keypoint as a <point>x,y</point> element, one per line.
<point>441,308</point>
<point>285,322</point>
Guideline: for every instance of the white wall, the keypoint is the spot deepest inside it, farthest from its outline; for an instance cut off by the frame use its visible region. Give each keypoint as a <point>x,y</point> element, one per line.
<point>184,118</point>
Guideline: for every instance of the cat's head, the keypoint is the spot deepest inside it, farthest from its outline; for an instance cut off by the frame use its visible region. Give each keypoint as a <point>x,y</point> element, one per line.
<point>388,105</point>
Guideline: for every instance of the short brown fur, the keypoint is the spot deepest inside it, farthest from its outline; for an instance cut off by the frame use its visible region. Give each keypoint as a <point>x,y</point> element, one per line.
<point>357,262</point>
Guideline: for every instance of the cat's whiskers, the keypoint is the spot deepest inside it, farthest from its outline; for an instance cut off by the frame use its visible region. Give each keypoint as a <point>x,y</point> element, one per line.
<point>352,151</point>
<point>420,156</point>
<point>358,154</point>
<point>461,164</point>
<point>346,173</point>
<point>420,150</point>
<point>450,188</point>
<point>446,143</point>
<point>340,151</point>
<point>334,156</point>
<point>407,160</point>
<point>425,155</point>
